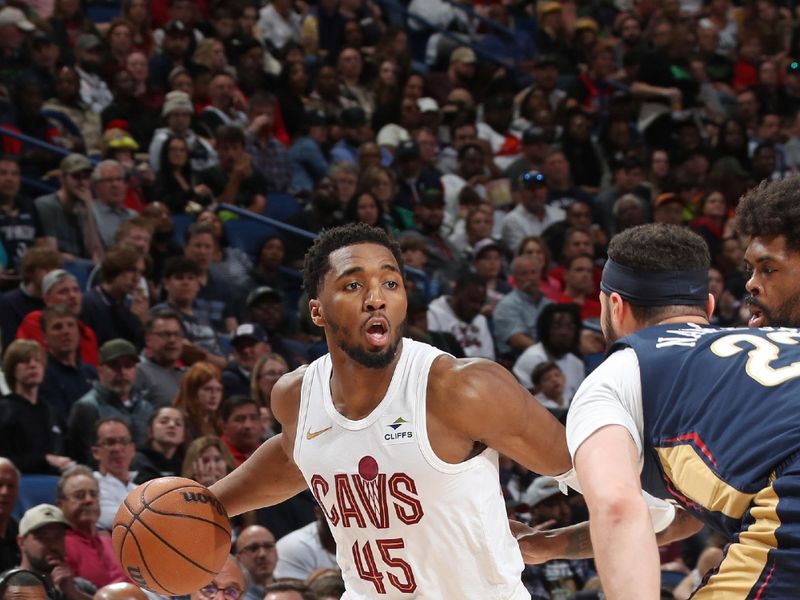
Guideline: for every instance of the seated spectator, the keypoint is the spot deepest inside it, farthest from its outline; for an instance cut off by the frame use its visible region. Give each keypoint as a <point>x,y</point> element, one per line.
<point>668,209</point>
<point>106,308</point>
<point>113,449</point>
<point>181,282</point>
<point>207,460</point>
<point>267,270</point>
<point>515,316</point>
<point>60,288</point>
<point>66,215</point>
<point>534,247</point>
<point>42,533</point>
<point>353,123</point>
<point>17,303</point>
<point>266,372</point>
<point>266,307</point>
<point>159,374</point>
<point>162,455</point>
<point>199,398</point>
<point>177,114</point>
<point>230,582</point>
<point>136,104</point>
<point>9,528</point>
<point>235,180</point>
<point>29,433</point>
<point>460,315</point>
<point>532,214</point>
<point>322,211</point>
<point>269,157</point>
<point>89,553</point>
<point>110,186</point>
<point>224,108</point>
<point>66,377</point>
<point>548,387</point>
<point>579,287</point>
<point>241,426</point>
<point>364,207</point>
<point>218,294</point>
<point>227,262</point>
<point>19,222</point>
<point>69,103</point>
<point>305,550</point>
<point>417,328</point>
<point>88,57</point>
<point>559,327</point>
<point>327,584</point>
<point>111,398</point>
<point>487,261</point>
<point>306,156</point>
<point>163,245</point>
<point>249,343</point>
<point>175,184</point>
<point>255,549</point>
<point>289,590</point>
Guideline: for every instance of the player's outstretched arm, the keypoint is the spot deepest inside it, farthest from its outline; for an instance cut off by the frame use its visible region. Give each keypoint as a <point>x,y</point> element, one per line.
<point>484,402</point>
<point>270,475</point>
<point>622,535</point>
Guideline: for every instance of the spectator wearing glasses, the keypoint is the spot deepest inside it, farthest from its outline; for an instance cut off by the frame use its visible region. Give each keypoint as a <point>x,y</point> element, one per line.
<point>110,186</point>
<point>67,215</point>
<point>159,375</point>
<point>255,549</point>
<point>110,398</point>
<point>230,582</point>
<point>88,553</point>
<point>113,450</point>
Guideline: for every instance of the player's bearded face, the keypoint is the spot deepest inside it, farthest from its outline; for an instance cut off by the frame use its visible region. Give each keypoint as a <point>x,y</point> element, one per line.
<point>371,359</point>
<point>786,314</point>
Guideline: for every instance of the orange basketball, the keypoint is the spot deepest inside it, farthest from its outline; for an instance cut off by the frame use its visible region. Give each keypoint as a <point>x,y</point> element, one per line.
<point>171,536</point>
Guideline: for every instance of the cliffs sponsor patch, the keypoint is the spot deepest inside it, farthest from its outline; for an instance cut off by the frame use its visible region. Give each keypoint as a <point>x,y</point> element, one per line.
<point>397,431</point>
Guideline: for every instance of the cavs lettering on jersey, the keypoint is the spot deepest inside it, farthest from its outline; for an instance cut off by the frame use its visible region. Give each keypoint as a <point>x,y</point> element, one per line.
<point>406,524</point>
<point>716,404</point>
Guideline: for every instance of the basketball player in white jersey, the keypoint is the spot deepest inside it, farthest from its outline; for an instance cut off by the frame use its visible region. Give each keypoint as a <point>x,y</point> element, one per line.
<point>398,441</point>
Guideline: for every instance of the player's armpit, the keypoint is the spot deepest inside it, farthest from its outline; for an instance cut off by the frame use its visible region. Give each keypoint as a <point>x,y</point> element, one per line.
<point>484,402</point>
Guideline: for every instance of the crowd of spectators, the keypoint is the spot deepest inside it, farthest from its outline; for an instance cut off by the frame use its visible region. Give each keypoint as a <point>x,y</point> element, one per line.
<point>503,144</point>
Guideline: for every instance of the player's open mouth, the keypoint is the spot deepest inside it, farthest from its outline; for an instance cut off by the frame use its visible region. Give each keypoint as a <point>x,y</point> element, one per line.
<point>757,318</point>
<point>377,332</point>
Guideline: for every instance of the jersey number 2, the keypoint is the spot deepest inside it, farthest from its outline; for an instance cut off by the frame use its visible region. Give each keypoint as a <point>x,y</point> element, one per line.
<point>762,353</point>
<point>368,570</point>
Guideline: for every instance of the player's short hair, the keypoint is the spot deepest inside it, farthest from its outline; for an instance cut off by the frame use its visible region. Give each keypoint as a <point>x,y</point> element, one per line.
<point>772,209</point>
<point>656,248</point>
<point>317,263</point>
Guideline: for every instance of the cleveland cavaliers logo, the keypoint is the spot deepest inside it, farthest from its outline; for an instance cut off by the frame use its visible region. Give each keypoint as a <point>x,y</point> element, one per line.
<point>368,496</point>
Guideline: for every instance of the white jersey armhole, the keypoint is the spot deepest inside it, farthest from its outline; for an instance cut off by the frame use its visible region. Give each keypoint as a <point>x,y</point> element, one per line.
<point>423,441</point>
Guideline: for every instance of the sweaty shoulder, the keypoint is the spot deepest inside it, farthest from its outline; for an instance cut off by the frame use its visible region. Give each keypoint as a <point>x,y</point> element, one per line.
<point>285,399</point>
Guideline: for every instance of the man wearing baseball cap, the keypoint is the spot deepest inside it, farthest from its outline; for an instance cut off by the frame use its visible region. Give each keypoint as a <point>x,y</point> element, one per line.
<point>14,29</point>
<point>460,74</point>
<point>111,397</point>
<point>556,578</point>
<point>532,214</point>
<point>66,214</point>
<point>42,531</point>
<point>249,343</point>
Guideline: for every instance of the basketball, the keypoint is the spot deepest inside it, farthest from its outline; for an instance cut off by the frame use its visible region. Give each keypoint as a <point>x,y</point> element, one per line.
<point>171,536</point>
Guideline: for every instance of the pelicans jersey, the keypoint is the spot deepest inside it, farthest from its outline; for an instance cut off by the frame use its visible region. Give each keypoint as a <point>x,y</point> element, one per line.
<point>406,524</point>
<point>721,436</point>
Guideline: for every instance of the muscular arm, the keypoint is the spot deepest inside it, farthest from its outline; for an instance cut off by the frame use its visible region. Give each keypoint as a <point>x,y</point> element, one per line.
<point>621,530</point>
<point>474,400</point>
<point>270,475</point>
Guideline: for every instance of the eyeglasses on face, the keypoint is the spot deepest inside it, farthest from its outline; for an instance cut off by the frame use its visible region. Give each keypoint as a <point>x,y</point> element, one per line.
<point>212,589</point>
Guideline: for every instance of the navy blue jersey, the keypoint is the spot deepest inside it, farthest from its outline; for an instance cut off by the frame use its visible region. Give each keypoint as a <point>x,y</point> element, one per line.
<point>19,231</point>
<point>721,414</point>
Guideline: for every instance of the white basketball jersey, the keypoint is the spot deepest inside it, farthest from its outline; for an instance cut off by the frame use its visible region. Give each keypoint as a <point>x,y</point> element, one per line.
<point>406,524</point>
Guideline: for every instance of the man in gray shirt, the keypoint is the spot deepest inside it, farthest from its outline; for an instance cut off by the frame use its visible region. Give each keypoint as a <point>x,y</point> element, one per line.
<point>109,183</point>
<point>516,314</point>
<point>66,215</point>
<point>159,376</point>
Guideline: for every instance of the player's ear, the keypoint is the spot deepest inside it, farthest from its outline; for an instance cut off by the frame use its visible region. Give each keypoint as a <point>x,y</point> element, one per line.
<point>711,304</point>
<point>315,308</point>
